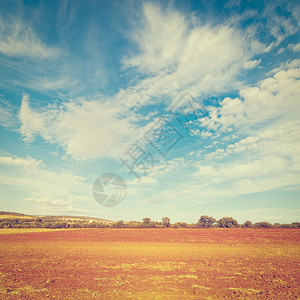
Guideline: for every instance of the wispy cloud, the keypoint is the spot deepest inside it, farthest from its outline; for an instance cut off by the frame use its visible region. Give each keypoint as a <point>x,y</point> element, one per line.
<point>49,188</point>
<point>8,114</point>
<point>179,55</point>
<point>19,39</point>
<point>28,162</point>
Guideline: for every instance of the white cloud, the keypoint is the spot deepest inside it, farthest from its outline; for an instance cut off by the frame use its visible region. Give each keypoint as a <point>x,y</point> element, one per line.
<point>279,26</point>
<point>294,47</point>
<point>232,3</point>
<point>44,84</point>
<point>19,39</point>
<point>262,154</point>
<point>161,39</point>
<point>46,188</point>
<point>274,97</point>
<point>85,129</point>
<point>178,54</point>
<point>273,163</point>
<point>32,122</point>
<point>284,137</point>
<point>28,162</point>
<point>281,50</point>
<point>267,155</point>
<point>251,64</point>
<point>245,176</point>
<point>34,64</point>
<point>8,117</point>
<point>290,64</point>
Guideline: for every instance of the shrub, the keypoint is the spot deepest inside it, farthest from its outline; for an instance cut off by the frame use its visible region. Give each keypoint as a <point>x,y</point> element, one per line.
<point>263,225</point>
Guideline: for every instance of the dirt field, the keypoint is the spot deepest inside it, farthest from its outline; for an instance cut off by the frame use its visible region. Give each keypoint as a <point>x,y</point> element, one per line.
<point>150,264</point>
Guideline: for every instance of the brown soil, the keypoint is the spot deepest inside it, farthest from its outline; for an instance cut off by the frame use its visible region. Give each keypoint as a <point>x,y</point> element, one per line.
<point>151,264</point>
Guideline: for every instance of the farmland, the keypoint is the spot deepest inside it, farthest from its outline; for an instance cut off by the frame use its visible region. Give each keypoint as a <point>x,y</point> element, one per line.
<point>147,263</point>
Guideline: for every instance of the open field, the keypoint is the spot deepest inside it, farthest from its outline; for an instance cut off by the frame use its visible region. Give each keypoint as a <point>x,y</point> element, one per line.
<point>150,264</point>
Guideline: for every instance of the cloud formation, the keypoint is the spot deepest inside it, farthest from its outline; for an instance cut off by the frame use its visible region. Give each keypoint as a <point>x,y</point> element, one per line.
<point>91,88</point>
<point>178,54</point>
<point>19,39</point>
<point>275,98</point>
<point>8,117</point>
<point>49,188</point>
<point>85,129</point>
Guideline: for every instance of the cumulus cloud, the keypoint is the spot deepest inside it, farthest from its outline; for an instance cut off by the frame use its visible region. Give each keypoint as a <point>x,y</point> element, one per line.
<point>264,154</point>
<point>85,129</point>
<point>251,138</point>
<point>261,155</point>
<point>269,160</point>
<point>294,47</point>
<point>255,166</point>
<point>274,97</point>
<point>178,52</point>
<point>251,64</point>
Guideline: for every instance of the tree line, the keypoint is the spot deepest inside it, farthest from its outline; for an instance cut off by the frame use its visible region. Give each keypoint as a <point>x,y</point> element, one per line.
<point>203,222</point>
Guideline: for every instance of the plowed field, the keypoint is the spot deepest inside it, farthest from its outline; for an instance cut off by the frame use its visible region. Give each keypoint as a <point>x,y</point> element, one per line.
<point>150,264</point>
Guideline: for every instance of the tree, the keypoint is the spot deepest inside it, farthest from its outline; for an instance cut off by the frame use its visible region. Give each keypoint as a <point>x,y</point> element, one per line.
<point>180,224</point>
<point>248,224</point>
<point>228,222</point>
<point>287,226</point>
<point>263,225</point>
<point>146,222</point>
<point>296,225</point>
<point>102,225</point>
<point>134,224</point>
<point>166,221</point>
<point>152,224</point>
<point>206,222</point>
<point>119,224</point>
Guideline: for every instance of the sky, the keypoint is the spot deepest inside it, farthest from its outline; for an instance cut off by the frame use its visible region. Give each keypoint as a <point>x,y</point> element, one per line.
<point>192,105</point>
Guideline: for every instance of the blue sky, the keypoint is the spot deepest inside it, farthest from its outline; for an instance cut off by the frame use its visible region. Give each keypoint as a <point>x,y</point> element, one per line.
<point>83,84</point>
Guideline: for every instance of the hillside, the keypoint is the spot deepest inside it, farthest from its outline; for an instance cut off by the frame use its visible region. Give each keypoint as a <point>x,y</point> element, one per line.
<point>20,218</point>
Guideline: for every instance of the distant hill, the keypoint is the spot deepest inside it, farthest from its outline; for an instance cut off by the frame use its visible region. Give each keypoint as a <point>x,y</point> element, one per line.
<point>11,213</point>
<point>46,218</point>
